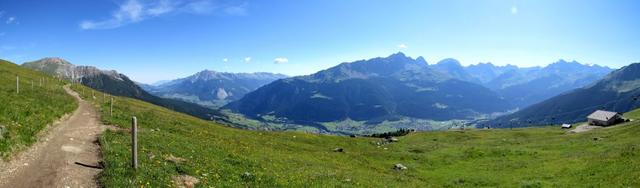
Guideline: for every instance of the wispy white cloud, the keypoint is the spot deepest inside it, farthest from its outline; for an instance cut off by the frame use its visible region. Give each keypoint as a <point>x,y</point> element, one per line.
<point>199,7</point>
<point>238,10</point>
<point>247,59</point>
<point>163,7</point>
<point>280,60</point>
<point>402,46</point>
<point>133,11</point>
<point>225,60</point>
<point>514,9</point>
<point>11,19</point>
<point>130,12</point>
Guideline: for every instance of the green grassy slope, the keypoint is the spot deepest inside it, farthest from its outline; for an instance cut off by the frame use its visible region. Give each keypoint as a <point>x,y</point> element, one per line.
<point>24,115</point>
<point>219,156</point>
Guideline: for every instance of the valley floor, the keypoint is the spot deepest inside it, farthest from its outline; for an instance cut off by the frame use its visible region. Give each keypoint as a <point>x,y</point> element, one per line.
<point>62,157</point>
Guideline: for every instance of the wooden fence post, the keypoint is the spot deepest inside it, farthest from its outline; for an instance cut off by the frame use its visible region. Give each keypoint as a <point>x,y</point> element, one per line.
<point>134,142</point>
<point>17,84</point>
<point>111,108</point>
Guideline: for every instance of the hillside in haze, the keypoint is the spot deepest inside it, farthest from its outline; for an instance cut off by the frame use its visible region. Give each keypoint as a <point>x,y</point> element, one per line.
<point>529,85</point>
<point>618,91</point>
<point>211,88</point>
<point>113,83</point>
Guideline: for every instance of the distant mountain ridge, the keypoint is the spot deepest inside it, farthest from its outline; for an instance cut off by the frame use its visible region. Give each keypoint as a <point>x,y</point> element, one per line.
<point>528,85</point>
<point>486,72</point>
<point>454,69</point>
<point>371,90</point>
<point>212,88</point>
<point>113,83</point>
<point>619,91</point>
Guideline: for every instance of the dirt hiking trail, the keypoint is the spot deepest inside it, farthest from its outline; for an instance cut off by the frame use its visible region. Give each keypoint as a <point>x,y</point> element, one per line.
<point>68,155</point>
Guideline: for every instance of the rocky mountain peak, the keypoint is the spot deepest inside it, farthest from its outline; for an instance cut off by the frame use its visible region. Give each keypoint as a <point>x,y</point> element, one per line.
<point>54,60</point>
<point>421,60</point>
<point>397,55</point>
<point>449,62</point>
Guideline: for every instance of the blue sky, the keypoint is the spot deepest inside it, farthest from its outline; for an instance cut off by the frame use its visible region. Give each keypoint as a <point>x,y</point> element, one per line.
<point>165,39</point>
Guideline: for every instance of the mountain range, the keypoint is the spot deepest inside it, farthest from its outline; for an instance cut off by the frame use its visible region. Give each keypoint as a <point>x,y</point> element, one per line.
<point>114,83</point>
<point>368,94</point>
<point>397,87</point>
<point>619,91</point>
<point>371,90</point>
<point>211,88</point>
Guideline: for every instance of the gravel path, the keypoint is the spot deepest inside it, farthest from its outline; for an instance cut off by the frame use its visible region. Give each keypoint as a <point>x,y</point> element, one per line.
<point>584,128</point>
<point>68,154</point>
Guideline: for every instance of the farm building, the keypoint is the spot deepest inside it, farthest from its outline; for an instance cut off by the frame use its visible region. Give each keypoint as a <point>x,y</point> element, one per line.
<point>604,118</point>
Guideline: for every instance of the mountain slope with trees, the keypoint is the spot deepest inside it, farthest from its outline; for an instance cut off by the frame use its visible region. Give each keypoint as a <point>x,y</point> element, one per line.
<point>371,90</point>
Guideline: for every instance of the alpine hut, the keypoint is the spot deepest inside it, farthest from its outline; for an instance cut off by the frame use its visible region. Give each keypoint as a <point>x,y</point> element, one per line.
<point>604,118</point>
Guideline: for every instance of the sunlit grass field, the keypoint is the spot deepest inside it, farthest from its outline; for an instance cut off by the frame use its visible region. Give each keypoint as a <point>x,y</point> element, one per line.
<point>219,156</point>
<point>23,115</point>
